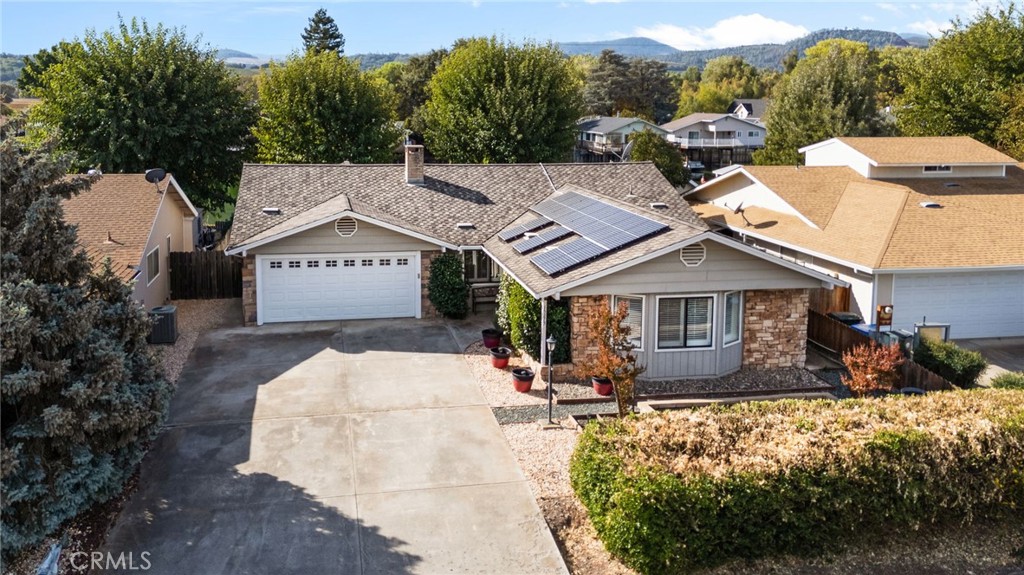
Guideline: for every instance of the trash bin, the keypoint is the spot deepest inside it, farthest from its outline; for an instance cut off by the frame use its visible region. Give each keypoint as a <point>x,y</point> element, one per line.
<point>846,317</point>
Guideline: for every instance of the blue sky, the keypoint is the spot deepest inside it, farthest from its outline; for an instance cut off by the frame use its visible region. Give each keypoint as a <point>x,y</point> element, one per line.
<point>273,28</point>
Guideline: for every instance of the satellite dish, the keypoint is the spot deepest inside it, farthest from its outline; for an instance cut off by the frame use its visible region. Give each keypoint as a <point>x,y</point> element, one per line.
<point>155,175</point>
<point>739,209</point>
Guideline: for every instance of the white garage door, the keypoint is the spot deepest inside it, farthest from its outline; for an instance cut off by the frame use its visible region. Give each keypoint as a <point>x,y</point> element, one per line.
<point>986,304</point>
<point>338,286</point>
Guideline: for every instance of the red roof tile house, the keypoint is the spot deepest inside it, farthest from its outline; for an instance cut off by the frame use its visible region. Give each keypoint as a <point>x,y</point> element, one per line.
<point>331,242</point>
<point>931,226</point>
<point>136,224</point>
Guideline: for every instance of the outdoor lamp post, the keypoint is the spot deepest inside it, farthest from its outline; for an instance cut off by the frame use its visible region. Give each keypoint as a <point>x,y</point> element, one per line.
<point>551,376</point>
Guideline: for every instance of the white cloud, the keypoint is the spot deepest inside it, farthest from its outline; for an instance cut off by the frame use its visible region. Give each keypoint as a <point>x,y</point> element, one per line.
<point>889,7</point>
<point>734,31</point>
<point>930,27</point>
<point>867,18</point>
<point>943,7</point>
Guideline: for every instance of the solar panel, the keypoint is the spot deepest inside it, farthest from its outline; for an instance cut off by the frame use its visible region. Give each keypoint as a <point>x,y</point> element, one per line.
<point>516,231</point>
<point>603,228</point>
<point>543,238</point>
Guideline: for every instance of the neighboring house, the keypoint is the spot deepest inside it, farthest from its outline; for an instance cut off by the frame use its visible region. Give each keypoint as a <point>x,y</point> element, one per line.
<point>330,242</point>
<point>752,109</point>
<point>931,226</point>
<point>136,224</point>
<point>604,138</point>
<point>716,139</point>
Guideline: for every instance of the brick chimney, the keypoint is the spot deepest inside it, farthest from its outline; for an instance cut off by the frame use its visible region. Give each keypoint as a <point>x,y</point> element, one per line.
<point>413,164</point>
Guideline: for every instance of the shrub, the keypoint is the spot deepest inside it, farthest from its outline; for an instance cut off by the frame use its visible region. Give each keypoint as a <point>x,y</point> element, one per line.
<point>447,288</point>
<point>672,491</point>
<point>614,358</point>
<point>1009,380</point>
<point>960,366</point>
<point>872,368</point>
<point>518,315</point>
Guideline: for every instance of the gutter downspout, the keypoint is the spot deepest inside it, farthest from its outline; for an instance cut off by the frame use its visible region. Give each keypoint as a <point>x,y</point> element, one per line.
<point>543,332</point>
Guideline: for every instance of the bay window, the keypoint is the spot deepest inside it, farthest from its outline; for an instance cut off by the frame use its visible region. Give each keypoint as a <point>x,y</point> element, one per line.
<point>685,322</point>
<point>733,315</point>
<point>635,318</point>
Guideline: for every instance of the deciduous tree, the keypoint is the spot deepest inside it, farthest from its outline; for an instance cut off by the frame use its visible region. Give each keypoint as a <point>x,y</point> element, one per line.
<point>322,34</point>
<point>648,146</point>
<point>830,93</point>
<point>319,108</point>
<point>82,393</point>
<point>492,102</point>
<point>136,98</point>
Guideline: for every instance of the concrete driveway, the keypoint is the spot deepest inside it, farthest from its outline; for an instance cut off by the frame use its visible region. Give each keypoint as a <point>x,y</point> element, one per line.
<point>348,448</point>
<point>1002,353</point>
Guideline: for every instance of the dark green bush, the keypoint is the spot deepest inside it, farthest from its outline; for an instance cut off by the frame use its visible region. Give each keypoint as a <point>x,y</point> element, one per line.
<point>518,315</point>
<point>1009,380</point>
<point>960,366</point>
<point>447,288</point>
<point>674,491</point>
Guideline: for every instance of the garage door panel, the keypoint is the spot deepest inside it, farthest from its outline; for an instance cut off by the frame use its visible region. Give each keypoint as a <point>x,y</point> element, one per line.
<point>358,286</point>
<point>984,304</point>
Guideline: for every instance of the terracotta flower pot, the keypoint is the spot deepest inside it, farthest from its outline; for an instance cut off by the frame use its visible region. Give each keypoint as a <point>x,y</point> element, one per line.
<point>499,356</point>
<point>522,379</point>
<point>492,337</point>
<point>602,385</point>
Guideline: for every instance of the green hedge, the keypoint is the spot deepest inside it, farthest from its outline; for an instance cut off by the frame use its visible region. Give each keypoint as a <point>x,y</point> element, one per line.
<point>518,315</point>
<point>673,491</point>
<point>1009,380</point>
<point>447,288</point>
<point>960,366</point>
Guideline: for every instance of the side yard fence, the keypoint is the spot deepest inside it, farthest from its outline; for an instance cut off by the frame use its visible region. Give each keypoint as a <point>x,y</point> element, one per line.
<point>205,275</point>
<point>836,338</point>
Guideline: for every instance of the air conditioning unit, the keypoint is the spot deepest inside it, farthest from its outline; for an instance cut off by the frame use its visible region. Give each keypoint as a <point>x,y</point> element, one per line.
<point>165,324</point>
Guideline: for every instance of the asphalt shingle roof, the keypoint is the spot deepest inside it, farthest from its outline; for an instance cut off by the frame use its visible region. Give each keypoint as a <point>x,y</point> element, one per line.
<point>927,150</point>
<point>608,124</point>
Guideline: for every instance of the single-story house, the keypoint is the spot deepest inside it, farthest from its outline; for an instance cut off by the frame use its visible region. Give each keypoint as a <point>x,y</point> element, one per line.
<point>136,224</point>
<point>331,242</point>
<point>604,138</point>
<point>716,139</point>
<point>931,226</point>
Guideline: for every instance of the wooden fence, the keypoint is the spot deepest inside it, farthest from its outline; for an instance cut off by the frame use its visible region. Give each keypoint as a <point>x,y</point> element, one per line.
<point>836,337</point>
<point>824,300</point>
<point>205,275</point>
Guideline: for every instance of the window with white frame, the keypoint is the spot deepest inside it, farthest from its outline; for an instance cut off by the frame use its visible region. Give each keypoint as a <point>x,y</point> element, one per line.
<point>685,322</point>
<point>635,318</point>
<point>479,268</point>
<point>754,134</point>
<point>733,317</point>
<point>937,169</point>
<point>152,265</point>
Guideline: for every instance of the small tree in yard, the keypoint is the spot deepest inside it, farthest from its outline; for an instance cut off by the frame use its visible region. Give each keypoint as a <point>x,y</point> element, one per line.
<point>447,288</point>
<point>82,394</point>
<point>614,359</point>
<point>873,368</point>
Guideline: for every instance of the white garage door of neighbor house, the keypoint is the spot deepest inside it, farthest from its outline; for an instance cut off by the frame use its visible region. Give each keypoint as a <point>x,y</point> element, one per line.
<point>984,304</point>
<point>338,286</point>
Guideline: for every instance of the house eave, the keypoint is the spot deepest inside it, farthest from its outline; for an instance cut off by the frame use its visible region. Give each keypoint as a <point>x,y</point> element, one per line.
<point>952,270</point>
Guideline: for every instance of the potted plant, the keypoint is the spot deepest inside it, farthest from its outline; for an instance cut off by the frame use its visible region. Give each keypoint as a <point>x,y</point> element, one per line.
<point>602,385</point>
<point>614,361</point>
<point>522,379</point>
<point>499,356</point>
<point>492,337</point>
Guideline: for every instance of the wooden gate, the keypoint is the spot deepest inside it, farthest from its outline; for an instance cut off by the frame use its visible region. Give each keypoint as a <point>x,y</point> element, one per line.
<point>825,300</point>
<point>205,275</point>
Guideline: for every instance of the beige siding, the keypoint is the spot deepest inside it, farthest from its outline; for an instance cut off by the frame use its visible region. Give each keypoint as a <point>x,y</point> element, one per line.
<point>723,269</point>
<point>323,239</point>
<point>892,172</point>
<point>838,154</point>
<point>733,194</point>
<point>168,222</point>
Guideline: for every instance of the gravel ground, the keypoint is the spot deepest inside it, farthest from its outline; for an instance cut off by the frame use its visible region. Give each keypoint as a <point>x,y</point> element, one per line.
<point>742,380</point>
<point>196,317</point>
<point>834,378</point>
<point>534,413</point>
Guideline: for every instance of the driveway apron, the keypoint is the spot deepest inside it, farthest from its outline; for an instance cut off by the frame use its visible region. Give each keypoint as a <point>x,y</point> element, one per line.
<point>358,447</point>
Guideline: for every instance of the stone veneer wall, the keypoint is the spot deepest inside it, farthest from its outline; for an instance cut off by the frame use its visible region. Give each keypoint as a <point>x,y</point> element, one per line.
<point>249,290</point>
<point>775,328</point>
<point>584,344</point>
<point>427,308</point>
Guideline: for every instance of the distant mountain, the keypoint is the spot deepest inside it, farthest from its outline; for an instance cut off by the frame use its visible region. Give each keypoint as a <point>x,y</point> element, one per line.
<point>633,47</point>
<point>373,61</point>
<point>227,53</point>
<point>916,40</point>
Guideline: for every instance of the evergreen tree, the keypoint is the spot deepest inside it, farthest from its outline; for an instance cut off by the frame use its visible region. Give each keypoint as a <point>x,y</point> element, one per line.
<point>322,34</point>
<point>606,83</point>
<point>648,146</point>
<point>81,393</point>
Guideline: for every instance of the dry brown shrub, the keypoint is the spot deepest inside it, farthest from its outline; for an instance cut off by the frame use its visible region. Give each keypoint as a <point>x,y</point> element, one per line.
<point>873,368</point>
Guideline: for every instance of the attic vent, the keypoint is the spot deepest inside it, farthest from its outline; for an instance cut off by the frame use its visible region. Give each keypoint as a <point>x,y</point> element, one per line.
<point>272,211</point>
<point>465,226</point>
<point>659,205</point>
<point>693,255</point>
<point>930,205</point>
<point>346,226</point>
<point>951,185</point>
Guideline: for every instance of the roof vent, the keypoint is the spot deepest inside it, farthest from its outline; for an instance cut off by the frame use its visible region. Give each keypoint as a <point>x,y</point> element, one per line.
<point>659,205</point>
<point>346,226</point>
<point>465,226</point>
<point>930,205</point>
<point>272,211</point>
<point>693,255</point>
